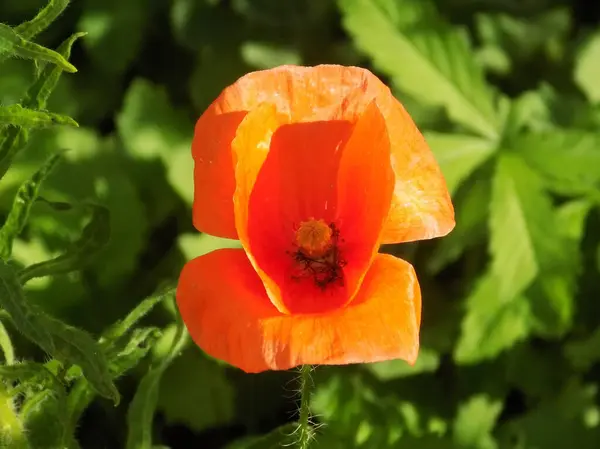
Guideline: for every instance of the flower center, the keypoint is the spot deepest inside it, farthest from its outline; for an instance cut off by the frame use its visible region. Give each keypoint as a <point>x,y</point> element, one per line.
<point>313,237</point>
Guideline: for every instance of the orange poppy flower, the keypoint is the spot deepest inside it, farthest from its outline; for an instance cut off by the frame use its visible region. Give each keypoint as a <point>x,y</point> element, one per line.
<point>311,168</point>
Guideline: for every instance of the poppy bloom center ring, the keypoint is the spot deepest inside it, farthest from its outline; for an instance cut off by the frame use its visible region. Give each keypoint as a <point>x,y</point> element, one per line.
<point>312,169</point>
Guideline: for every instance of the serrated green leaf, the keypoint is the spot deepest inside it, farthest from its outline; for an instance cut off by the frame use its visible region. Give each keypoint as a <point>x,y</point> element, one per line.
<point>123,359</point>
<point>475,421</point>
<point>77,347</point>
<point>587,68</point>
<point>118,329</point>
<point>27,319</point>
<point>141,410</point>
<point>566,159</point>
<point>26,372</point>
<point>16,115</point>
<point>284,436</point>
<point>37,95</point>
<point>459,155</point>
<point>531,274</point>
<point>13,44</point>
<point>434,65</point>
<point>39,92</point>
<point>24,199</point>
<point>94,237</point>
<point>43,19</point>
<point>45,420</point>
<point>492,323</point>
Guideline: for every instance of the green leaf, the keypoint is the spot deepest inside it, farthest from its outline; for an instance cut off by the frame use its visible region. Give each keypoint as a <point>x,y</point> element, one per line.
<point>284,436</point>
<point>6,345</point>
<point>435,65</point>
<point>566,159</point>
<point>525,243</point>
<point>428,361</point>
<point>43,19</point>
<point>141,410</point>
<point>77,347</point>
<point>13,44</point>
<point>519,39</point>
<point>180,392</point>
<point>28,320</point>
<point>459,155</point>
<point>472,204</point>
<point>37,95</point>
<point>475,421</point>
<point>585,352</point>
<point>567,420</point>
<point>116,30</point>
<point>121,327</point>
<point>28,118</point>
<point>492,323</point>
<point>126,357</point>
<point>44,417</point>
<point>94,237</point>
<point>267,55</point>
<point>151,128</point>
<point>587,68</point>
<point>64,342</point>
<point>196,244</point>
<point>29,372</point>
<point>24,199</point>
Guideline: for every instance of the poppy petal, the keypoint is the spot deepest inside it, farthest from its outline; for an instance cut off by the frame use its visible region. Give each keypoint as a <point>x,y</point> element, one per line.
<point>421,206</point>
<point>214,179</point>
<point>226,310</point>
<point>365,187</point>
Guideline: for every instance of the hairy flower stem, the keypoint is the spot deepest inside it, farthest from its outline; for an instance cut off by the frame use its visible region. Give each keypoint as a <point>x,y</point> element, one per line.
<point>305,392</point>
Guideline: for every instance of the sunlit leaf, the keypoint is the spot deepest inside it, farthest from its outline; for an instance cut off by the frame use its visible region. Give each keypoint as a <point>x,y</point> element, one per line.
<point>435,65</point>
<point>48,14</point>
<point>587,68</point>
<point>28,118</point>
<point>458,155</point>
<point>13,44</point>
<point>476,418</point>
<point>567,160</point>
<point>151,128</point>
<point>427,361</point>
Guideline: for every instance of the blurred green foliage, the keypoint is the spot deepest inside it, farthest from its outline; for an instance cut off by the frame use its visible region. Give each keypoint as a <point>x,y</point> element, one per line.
<point>96,191</point>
